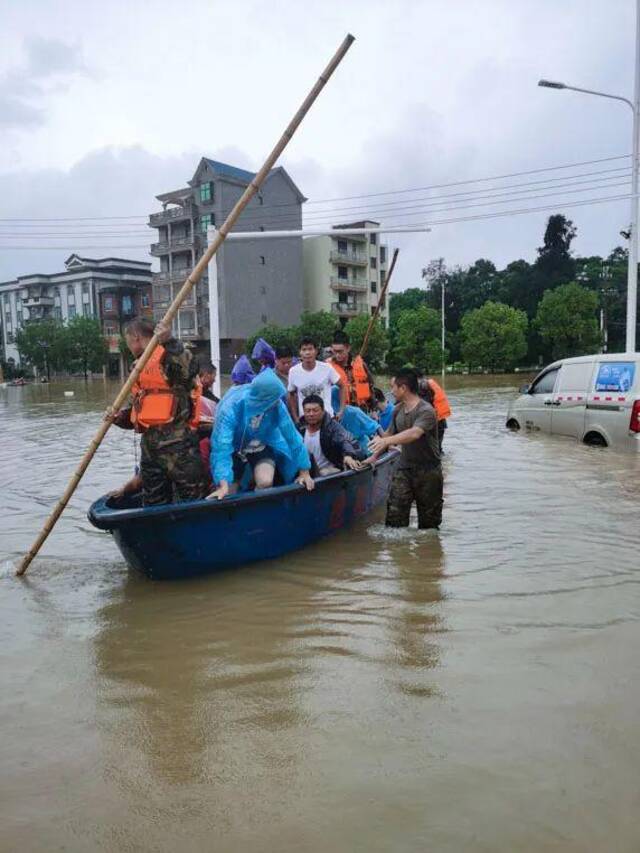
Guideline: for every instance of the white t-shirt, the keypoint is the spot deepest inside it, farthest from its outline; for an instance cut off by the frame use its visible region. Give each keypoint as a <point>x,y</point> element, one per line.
<point>312,443</point>
<point>318,381</point>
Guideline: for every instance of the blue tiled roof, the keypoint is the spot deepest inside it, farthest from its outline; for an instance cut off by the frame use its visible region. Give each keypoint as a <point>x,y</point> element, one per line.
<point>225,170</point>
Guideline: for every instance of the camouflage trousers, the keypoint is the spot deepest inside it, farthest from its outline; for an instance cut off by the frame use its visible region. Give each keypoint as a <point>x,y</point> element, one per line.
<point>423,487</point>
<point>171,468</point>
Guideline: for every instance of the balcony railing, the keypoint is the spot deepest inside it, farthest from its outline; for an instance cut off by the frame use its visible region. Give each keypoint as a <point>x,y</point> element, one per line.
<point>170,214</point>
<point>347,309</point>
<point>354,258</point>
<point>175,245</point>
<point>167,277</point>
<point>38,301</point>
<point>348,284</point>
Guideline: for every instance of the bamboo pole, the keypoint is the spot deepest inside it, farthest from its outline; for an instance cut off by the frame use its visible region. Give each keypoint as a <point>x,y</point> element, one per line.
<point>184,291</point>
<point>383,293</point>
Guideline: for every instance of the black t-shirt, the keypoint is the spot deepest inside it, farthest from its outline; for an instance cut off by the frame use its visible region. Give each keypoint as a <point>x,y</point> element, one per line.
<point>425,452</point>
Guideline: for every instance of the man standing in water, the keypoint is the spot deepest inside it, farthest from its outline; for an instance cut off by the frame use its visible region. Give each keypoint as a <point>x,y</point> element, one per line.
<point>418,475</point>
<point>165,410</point>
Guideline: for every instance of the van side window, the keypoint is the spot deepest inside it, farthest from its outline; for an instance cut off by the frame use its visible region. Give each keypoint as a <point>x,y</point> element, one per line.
<point>545,384</point>
<point>575,376</point>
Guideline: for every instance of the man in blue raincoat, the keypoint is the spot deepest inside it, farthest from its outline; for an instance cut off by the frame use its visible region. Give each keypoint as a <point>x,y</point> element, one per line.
<point>242,372</point>
<point>254,429</point>
<point>264,353</point>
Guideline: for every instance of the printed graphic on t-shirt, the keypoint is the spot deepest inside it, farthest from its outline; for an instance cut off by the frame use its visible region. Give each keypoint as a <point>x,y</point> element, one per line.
<point>307,390</point>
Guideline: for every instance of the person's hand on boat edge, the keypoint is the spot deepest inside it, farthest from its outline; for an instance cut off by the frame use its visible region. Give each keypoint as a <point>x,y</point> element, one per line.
<point>221,492</point>
<point>351,463</point>
<point>305,479</point>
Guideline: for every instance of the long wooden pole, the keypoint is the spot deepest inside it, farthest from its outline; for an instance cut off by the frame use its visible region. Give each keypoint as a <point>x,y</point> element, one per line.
<point>184,291</point>
<point>383,293</point>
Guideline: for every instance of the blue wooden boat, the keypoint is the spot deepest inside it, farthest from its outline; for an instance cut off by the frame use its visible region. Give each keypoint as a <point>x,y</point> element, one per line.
<point>182,540</point>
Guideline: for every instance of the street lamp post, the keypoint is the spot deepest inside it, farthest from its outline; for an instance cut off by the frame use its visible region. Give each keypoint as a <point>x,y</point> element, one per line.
<point>632,274</point>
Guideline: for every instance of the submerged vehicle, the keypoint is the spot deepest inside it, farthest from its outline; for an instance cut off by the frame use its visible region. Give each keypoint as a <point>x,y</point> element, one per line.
<point>594,399</point>
<point>199,537</point>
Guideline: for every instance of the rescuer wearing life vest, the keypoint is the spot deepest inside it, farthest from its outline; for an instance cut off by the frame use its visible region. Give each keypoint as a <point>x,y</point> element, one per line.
<point>165,408</point>
<point>434,394</point>
<point>355,375</point>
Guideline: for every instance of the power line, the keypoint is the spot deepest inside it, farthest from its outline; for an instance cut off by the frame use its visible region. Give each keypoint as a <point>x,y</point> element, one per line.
<point>418,210</point>
<point>472,218</point>
<point>351,197</point>
<point>460,204</point>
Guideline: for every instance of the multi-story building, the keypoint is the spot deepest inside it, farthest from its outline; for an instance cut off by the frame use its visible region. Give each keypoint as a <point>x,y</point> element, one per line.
<point>259,281</point>
<point>344,274</point>
<point>113,290</point>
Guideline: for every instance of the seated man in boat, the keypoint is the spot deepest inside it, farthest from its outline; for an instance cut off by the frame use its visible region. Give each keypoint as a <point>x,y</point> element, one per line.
<point>254,434</point>
<point>327,441</point>
<point>164,408</point>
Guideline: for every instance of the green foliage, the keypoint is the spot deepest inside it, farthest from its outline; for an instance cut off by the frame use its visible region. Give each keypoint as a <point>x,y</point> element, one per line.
<point>319,325</point>
<point>416,340</point>
<point>566,320</point>
<point>85,347</point>
<point>408,300</point>
<point>494,336</point>
<point>42,344</point>
<point>276,336</point>
<point>377,345</point>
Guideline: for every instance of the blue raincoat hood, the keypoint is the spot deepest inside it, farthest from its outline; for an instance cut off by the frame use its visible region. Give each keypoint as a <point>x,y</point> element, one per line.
<point>262,350</point>
<point>242,372</point>
<point>265,391</point>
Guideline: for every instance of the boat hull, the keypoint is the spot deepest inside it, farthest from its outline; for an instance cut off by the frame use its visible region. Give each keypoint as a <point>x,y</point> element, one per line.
<point>200,537</point>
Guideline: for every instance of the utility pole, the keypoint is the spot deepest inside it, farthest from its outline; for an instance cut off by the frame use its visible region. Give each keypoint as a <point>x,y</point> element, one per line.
<point>442,318</point>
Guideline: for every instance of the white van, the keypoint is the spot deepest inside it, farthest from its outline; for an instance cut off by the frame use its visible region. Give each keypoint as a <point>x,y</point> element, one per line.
<point>591,398</point>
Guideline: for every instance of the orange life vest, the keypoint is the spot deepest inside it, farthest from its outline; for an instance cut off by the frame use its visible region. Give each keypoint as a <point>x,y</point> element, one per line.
<point>440,401</point>
<point>358,388</point>
<point>154,402</point>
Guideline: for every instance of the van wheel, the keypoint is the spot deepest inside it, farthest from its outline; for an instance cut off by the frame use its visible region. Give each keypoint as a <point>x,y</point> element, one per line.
<point>513,425</point>
<point>594,439</point>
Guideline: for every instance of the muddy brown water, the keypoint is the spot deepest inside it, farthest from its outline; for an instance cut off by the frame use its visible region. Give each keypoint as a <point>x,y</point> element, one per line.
<point>476,689</point>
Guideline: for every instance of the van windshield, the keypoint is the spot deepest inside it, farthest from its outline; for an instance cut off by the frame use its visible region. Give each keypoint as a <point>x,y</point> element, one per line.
<point>545,384</point>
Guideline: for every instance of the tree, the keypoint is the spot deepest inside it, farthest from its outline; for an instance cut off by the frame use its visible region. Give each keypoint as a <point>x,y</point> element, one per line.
<point>378,343</point>
<point>41,344</point>
<point>494,336</point>
<point>566,319</point>
<point>417,340</point>
<point>319,325</point>
<point>409,299</point>
<point>276,336</point>
<point>86,349</point>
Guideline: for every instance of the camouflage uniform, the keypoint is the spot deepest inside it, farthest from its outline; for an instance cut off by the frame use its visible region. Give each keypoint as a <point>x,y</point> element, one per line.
<point>419,485</point>
<point>170,464</point>
<point>418,476</point>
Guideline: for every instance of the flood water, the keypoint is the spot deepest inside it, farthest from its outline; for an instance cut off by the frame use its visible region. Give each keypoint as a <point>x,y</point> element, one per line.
<point>471,690</point>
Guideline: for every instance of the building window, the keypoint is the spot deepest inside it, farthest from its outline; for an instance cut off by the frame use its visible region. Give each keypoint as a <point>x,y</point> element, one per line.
<point>71,295</point>
<point>264,318</point>
<point>71,312</point>
<point>343,273</point>
<point>144,300</point>
<point>108,303</point>
<point>85,288</point>
<point>262,228</point>
<point>262,259</point>
<point>127,305</point>
<point>260,198</point>
<point>373,239</point>
<point>109,329</point>
<point>86,309</point>
<point>374,263</point>
<point>187,322</point>
<point>343,246</point>
<point>383,254</point>
<point>205,221</point>
<point>374,287</point>
<point>206,192</point>
<point>57,313</point>
<point>263,289</point>
<point>373,309</point>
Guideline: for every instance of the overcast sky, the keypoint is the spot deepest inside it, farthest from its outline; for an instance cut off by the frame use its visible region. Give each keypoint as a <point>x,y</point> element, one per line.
<point>104,105</point>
